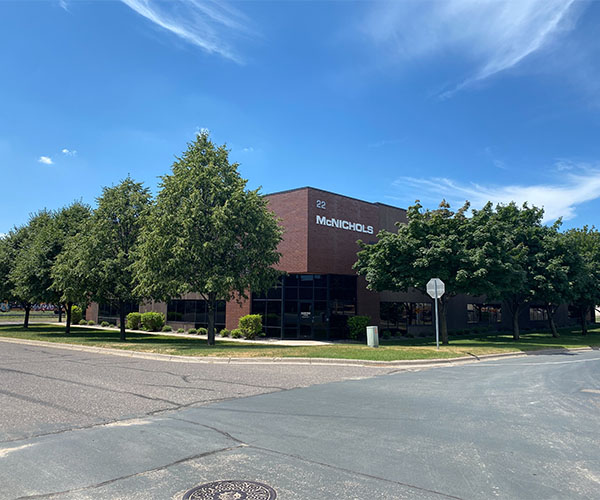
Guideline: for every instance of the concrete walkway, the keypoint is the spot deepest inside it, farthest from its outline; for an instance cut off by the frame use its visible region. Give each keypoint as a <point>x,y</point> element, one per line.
<point>262,340</point>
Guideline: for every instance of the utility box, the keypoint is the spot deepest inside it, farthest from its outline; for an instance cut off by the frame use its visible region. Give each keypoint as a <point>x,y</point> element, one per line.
<point>372,336</point>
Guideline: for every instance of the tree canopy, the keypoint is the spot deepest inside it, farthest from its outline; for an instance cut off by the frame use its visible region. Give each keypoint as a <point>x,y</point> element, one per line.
<point>207,233</point>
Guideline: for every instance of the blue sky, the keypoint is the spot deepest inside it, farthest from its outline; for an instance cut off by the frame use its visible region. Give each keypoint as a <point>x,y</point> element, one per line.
<point>384,101</point>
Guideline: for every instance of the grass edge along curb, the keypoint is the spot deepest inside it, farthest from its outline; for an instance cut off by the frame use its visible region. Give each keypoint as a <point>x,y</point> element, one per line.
<point>291,360</point>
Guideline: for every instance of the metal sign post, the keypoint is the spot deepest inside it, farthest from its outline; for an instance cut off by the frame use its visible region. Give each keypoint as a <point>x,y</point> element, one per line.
<point>435,289</point>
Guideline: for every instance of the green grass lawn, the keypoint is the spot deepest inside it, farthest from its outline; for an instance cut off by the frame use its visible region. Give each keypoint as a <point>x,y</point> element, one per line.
<point>388,351</point>
<point>15,315</point>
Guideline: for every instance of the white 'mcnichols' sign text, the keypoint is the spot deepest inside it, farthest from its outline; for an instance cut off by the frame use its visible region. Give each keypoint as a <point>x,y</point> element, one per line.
<point>344,224</point>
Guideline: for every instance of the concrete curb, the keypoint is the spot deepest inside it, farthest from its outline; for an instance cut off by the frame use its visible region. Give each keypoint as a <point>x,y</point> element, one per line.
<point>413,363</point>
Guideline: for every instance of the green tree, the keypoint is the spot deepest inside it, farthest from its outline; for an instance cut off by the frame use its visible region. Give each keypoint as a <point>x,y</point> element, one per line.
<point>555,269</point>
<point>585,284</point>
<point>105,248</point>
<point>432,244</point>
<point>10,246</point>
<point>505,245</point>
<point>207,233</point>
<point>67,276</point>
<point>30,272</point>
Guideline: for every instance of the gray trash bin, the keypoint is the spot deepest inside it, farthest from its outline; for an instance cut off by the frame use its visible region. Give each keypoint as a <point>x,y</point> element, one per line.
<point>372,336</point>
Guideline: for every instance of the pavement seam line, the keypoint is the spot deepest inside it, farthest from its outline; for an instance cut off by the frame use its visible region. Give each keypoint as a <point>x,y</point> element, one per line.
<point>349,471</point>
<point>128,476</point>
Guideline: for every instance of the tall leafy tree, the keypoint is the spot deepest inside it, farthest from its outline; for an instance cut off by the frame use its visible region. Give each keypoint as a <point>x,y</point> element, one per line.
<point>207,233</point>
<point>505,246</point>
<point>30,273</point>
<point>556,267</point>
<point>430,245</point>
<point>104,252</point>
<point>67,277</point>
<point>585,242</point>
<point>10,246</point>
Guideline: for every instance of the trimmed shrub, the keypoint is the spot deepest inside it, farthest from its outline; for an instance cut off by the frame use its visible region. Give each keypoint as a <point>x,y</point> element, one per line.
<point>152,321</point>
<point>224,332</point>
<point>82,322</point>
<point>358,326</point>
<point>236,334</point>
<point>250,326</point>
<point>91,323</point>
<point>133,320</point>
<point>76,315</point>
<point>202,331</point>
<point>192,331</point>
<point>104,324</point>
<point>167,328</point>
<point>386,335</point>
<point>112,325</point>
<point>180,330</point>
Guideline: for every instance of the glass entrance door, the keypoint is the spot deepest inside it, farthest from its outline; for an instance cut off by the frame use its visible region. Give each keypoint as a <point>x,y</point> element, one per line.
<point>305,319</point>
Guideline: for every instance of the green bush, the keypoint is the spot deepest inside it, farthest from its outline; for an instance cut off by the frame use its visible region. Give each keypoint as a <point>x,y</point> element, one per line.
<point>167,328</point>
<point>192,331</point>
<point>224,332</point>
<point>250,325</point>
<point>202,331</point>
<point>236,334</point>
<point>358,326</point>
<point>76,315</point>
<point>104,324</point>
<point>152,321</point>
<point>91,323</point>
<point>180,330</point>
<point>82,322</point>
<point>133,320</point>
<point>386,335</point>
<point>112,325</point>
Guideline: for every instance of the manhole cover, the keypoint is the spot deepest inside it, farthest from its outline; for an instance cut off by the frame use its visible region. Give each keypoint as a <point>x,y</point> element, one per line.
<point>231,490</point>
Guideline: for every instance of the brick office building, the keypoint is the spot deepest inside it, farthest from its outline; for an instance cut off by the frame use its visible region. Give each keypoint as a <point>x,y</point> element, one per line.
<point>320,290</point>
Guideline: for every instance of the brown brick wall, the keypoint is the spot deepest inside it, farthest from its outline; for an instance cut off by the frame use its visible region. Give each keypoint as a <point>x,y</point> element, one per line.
<point>291,208</point>
<point>234,311</point>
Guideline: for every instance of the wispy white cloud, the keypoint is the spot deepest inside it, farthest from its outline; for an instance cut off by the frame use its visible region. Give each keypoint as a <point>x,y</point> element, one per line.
<point>491,35</point>
<point>69,152</point>
<point>559,199</point>
<point>208,24</point>
<point>249,149</point>
<point>46,160</point>
<point>63,4</point>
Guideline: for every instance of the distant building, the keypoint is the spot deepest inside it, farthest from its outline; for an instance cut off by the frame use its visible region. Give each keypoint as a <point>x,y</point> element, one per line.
<point>321,290</point>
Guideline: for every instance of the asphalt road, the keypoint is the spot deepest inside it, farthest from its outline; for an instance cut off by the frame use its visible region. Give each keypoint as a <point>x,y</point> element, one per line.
<point>77,425</point>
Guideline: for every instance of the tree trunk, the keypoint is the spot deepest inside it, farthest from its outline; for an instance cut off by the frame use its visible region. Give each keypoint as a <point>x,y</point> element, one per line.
<point>60,313</point>
<point>515,319</point>
<point>69,316</point>
<point>212,307</point>
<point>443,322</point>
<point>26,322</point>
<point>122,337</point>
<point>583,321</point>
<point>550,311</point>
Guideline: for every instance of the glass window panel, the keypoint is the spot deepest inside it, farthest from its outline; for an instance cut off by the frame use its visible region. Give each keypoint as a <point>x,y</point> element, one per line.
<point>274,293</point>
<point>290,333</point>
<point>291,293</point>
<point>273,315</point>
<point>291,280</point>
<point>320,280</point>
<point>306,280</point>
<point>320,293</point>
<point>306,293</point>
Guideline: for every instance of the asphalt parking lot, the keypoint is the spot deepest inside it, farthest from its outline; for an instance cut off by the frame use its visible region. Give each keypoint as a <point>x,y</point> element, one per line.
<point>79,425</point>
